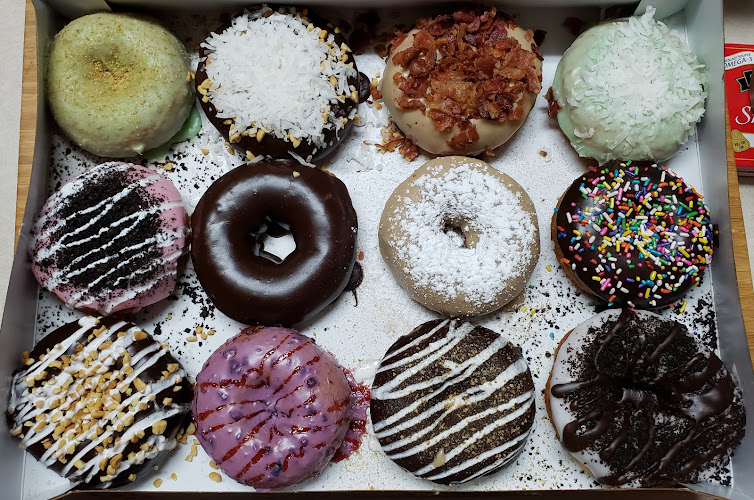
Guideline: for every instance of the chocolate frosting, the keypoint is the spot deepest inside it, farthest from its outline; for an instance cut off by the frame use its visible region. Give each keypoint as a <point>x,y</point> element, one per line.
<point>452,401</point>
<point>240,278</point>
<point>656,407</point>
<point>142,385</point>
<point>633,234</point>
<point>271,146</point>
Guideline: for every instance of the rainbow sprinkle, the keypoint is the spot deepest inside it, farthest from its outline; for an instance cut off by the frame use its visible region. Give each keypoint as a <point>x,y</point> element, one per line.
<point>643,232</point>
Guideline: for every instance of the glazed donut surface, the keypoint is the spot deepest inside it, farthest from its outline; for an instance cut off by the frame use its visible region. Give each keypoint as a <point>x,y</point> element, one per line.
<point>252,286</point>
<point>272,408</point>
<point>635,398</point>
<point>460,237</point>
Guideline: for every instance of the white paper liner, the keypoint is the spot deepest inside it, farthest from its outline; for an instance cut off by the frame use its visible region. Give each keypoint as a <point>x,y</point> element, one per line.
<point>359,335</point>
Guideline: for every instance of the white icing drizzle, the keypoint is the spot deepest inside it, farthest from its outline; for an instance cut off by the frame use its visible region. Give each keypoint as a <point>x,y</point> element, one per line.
<point>107,252</point>
<point>413,428</point>
<point>90,403</point>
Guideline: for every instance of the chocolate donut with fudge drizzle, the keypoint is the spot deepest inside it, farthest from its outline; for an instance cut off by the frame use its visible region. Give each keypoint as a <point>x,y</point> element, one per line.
<point>452,402</point>
<point>637,400</point>
<point>272,408</point>
<point>99,402</point>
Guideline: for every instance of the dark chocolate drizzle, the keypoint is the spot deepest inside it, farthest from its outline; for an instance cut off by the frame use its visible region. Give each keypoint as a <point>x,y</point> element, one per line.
<point>274,147</point>
<point>651,403</point>
<point>239,277</point>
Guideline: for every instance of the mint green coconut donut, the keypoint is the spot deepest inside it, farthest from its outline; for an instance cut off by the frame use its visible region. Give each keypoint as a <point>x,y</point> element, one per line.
<point>629,89</point>
<point>118,84</point>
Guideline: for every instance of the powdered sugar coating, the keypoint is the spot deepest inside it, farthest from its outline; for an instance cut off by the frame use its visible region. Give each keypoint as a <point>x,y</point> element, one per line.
<point>461,237</point>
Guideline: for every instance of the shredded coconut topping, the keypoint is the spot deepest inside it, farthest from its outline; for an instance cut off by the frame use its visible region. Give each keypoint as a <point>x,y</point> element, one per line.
<point>473,201</point>
<point>276,73</point>
<point>634,88</point>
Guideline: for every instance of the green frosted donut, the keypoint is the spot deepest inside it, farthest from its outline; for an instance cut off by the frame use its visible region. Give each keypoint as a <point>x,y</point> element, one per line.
<point>629,89</point>
<point>117,83</point>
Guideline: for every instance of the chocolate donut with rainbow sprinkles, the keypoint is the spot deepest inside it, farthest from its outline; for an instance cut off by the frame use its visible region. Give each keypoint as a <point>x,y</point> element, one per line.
<point>633,234</point>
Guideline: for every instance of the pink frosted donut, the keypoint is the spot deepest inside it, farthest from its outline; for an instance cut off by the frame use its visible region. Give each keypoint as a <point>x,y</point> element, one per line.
<point>111,239</point>
<point>272,408</point>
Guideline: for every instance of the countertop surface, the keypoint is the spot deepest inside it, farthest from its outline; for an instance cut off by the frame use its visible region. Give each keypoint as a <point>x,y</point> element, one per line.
<point>738,21</point>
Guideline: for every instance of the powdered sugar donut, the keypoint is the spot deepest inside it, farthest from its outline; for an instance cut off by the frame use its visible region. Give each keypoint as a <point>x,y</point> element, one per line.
<point>459,236</point>
<point>279,83</point>
<point>111,239</point>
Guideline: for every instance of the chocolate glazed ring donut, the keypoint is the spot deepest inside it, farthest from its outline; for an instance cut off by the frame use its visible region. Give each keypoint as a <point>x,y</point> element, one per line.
<point>268,144</point>
<point>252,286</point>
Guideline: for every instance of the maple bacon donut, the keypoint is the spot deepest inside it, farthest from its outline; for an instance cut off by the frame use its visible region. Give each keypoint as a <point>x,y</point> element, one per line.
<point>633,234</point>
<point>272,408</point>
<point>462,83</point>
<point>636,399</point>
<point>240,209</point>
<point>460,237</point>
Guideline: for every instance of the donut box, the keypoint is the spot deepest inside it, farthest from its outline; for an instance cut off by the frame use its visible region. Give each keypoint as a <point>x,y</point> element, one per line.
<point>359,327</point>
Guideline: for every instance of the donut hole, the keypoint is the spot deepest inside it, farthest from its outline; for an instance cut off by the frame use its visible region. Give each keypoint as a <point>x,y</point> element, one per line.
<point>273,241</point>
<point>458,232</point>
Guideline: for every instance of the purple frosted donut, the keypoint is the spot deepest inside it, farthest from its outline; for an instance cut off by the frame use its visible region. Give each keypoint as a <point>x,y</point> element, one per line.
<point>272,408</point>
<point>111,239</point>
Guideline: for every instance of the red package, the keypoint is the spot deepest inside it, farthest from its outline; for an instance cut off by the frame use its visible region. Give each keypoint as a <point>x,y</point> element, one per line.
<point>739,66</point>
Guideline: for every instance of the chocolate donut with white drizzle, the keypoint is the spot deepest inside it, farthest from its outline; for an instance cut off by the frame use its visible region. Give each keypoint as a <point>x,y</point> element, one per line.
<point>452,402</point>
<point>99,402</point>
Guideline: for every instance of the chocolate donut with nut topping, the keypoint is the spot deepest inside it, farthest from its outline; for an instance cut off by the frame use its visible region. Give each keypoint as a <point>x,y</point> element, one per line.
<point>99,402</point>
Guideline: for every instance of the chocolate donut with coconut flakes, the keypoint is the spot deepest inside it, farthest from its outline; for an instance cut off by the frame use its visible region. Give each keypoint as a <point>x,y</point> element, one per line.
<point>294,100</point>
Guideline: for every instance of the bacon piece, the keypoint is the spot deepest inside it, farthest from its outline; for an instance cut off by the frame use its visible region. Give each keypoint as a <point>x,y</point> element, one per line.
<point>405,103</point>
<point>467,135</point>
<point>552,104</point>
<point>442,121</point>
<point>464,16</point>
